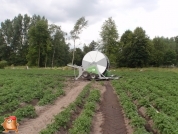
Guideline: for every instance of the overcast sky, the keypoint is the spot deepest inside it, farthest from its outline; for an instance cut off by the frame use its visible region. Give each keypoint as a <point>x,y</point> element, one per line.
<point>156,17</point>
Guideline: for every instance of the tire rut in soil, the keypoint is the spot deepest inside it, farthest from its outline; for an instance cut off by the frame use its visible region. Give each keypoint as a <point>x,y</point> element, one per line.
<point>112,111</point>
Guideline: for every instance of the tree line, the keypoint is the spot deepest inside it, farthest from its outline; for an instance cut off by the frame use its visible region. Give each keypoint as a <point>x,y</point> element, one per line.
<point>32,41</point>
<point>136,49</point>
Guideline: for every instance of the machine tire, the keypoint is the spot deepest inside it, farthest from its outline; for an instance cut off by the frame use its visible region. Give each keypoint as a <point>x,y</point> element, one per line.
<point>85,74</point>
<point>93,76</point>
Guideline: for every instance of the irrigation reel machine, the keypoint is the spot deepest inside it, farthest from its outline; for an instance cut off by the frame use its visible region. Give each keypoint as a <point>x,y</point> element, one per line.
<point>95,65</point>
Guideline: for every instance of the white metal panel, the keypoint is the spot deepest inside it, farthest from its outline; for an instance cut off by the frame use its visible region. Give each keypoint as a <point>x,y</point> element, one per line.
<point>95,57</point>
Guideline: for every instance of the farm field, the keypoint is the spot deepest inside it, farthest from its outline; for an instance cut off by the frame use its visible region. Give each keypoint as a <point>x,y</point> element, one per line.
<point>149,98</point>
<point>143,101</point>
<point>21,90</point>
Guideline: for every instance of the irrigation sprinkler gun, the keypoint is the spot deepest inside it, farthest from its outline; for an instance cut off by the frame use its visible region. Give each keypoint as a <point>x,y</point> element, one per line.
<point>95,65</point>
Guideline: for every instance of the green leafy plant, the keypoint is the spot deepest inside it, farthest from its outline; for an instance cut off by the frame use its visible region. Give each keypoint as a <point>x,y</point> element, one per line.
<point>83,123</point>
<point>3,64</point>
<point>63,118</point>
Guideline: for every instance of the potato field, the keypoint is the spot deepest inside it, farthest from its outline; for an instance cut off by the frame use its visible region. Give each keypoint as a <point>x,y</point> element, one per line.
<point>20,90</point>
<point>150,99</point>
<point>47,101</point>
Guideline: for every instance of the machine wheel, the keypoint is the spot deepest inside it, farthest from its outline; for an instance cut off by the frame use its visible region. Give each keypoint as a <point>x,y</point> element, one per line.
<point>93,76</point>
<point>85,74</point>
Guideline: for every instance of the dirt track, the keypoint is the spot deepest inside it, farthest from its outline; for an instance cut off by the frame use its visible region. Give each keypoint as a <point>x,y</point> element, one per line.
<point>34,126</point>
<point>112,113</point>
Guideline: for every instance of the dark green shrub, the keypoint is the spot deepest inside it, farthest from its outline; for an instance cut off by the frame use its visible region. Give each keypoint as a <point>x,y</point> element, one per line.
<point>3,64</point>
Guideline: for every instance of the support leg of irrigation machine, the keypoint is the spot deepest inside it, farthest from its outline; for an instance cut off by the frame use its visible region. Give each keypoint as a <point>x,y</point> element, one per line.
<point>80,69</point>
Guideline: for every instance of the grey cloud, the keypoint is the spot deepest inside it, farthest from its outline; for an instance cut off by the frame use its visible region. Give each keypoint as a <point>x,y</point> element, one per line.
<point>83,8</point>
<point>58,11</point>
<point>62,11</point>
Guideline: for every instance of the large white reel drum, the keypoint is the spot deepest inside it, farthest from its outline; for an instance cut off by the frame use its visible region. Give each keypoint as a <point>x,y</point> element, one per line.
<point>96,58</point>
<point>94,66</point>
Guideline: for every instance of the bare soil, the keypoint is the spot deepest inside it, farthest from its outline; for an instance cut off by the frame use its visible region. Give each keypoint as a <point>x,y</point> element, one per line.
<point>98,118</point>
<point>73,117</point>
<point>149,123</point>
<point>111,111</point>
<point>46,113</point>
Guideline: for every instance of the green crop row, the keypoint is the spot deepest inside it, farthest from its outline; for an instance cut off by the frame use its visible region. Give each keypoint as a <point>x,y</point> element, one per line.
<point>25,112</point>
<point>157,92</point>
<point>49,96</point>
<point>82,124</point>
<point>155,97</point>
<point>163,123</point>
<point>63,118</point>
<point>19,86</point>
<point>130,110</point>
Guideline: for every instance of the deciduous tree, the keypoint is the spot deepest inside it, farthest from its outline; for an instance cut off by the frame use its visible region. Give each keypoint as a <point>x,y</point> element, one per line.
<point>125,48</point>
<point>60,50</point>
<point>40,45</point>
<point>109,42</point>
<point>78,27</point>
<point>90,47</point>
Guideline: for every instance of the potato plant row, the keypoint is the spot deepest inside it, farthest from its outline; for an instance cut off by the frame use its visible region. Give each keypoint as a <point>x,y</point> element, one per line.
<point>25,112</point>
<point>130,110</point>
<point>87,100</point>
<point>19,86</point>
<point>63,117</point>
<point>82,124</point>
<point>155,92</point>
